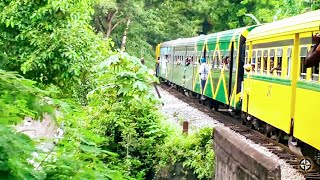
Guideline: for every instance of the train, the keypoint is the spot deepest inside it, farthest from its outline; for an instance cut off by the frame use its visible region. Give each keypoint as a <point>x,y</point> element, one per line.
<point>258,73</point>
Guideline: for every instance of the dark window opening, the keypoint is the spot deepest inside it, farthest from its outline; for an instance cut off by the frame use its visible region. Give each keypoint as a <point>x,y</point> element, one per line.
<point>315,73</point>
<point>303,69</point>
<point>279,62</point>
<point>279,67</point>
<point>289,62</point>
<point>265,61</point>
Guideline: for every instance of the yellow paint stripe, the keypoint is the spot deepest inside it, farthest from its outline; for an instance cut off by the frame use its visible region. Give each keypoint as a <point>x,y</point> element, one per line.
<point>225,88</point>
<point>205,86</point>
<point>212,87</point>
<point>245,33</point>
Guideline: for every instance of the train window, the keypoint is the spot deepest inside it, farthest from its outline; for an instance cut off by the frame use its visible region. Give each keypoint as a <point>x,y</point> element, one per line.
<point>259,55</point>
<point>265,61</point>
<point>246,57</point>
<point>279,61</point>
<point>289,62</point>
<point>227,59</point>
<point>253,61</point>
<point>303,69</point>
<point>315,73</point>
<point>216,60</point>
<point>271,54</point>
<point>234,59</point>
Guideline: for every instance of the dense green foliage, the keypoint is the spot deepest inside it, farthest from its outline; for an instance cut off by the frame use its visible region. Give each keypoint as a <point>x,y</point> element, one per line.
<point>18,98</point>
<point>112,128</point>
<point>120,128</point>
<point>194,151</point>
<point>155,21</point>
<point>50,42</point>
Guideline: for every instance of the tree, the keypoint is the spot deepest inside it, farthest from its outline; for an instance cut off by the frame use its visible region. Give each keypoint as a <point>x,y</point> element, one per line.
<point>110,14</point>
<point>51,42</point>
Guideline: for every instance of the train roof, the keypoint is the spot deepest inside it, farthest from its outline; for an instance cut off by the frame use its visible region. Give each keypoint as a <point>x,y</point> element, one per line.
<point>181,41</point>
<point>225,36</point>
<point>301,23</point>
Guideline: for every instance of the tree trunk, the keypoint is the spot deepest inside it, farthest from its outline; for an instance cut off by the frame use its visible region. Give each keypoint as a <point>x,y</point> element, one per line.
<point>124,37</point>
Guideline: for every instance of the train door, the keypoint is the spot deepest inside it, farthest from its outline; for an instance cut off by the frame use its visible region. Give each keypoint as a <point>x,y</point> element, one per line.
<point>232,72</point>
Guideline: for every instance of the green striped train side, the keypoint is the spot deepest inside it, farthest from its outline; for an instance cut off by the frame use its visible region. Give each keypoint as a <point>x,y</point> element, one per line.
<point>224,81</point>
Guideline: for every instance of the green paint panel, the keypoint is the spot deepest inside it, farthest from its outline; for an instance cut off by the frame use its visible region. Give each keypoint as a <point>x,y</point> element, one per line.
<point>232,102</point>
<point>212,39</point>
<point>238,105</point>
<point>178,75</point>
<point>271,79</point>
<point>170,71</point>
<point>224,46</point>
<point>215,78</point>
<point>208,91</point>
<point>197,86</point>
<point>188,77</point>
<point>309,86</point>
<point>211,47</point>
<point>221,93</point>
<point>200,43</point>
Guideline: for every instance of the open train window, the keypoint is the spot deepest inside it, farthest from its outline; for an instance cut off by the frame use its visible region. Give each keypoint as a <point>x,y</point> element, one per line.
<point>259,55</point>
<point>315,73</point>
<point>271,54</point>
<point>265,61</point>
<point>254,56</point>
<point>227,59</point>
<point>211,54</point>
<point>303,69</point>
<point>234,59</point>
<point>289,62</point>
<point>279,61</point>
<point>246,58</point>
<point>216,60</point>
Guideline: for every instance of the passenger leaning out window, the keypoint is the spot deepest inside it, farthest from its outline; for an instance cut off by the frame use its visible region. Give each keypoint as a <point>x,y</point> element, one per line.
<point>313,56</point>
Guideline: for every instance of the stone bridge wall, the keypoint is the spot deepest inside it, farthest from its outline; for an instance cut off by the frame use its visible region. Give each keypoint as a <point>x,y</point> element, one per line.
<point>236,160</point>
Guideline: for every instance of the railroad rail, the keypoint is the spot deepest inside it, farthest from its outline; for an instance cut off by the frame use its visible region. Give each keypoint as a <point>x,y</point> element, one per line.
<point>281,150</point>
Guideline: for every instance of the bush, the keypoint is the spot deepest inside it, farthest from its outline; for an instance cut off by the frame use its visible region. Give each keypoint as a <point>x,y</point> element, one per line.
<point>194,151</point>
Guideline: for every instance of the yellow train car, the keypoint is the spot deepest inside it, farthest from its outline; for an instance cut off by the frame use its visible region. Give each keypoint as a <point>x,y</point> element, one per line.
<point>279,90</point>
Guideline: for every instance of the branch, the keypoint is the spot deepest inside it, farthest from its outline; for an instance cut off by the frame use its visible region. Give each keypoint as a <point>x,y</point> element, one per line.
<point>101,23</point>
<point>116,24</point>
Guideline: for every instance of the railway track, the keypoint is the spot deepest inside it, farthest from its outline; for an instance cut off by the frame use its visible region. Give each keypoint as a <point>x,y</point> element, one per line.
<point>281,150</point>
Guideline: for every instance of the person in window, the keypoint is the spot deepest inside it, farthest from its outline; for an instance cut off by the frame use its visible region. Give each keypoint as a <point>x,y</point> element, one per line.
<point>259,65</point>
<point>272,65</point>
<point>167,59</point>
<point>253,65</point>
<point>188,61</point>
<point>203,71</point>
<point>313,56</point>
